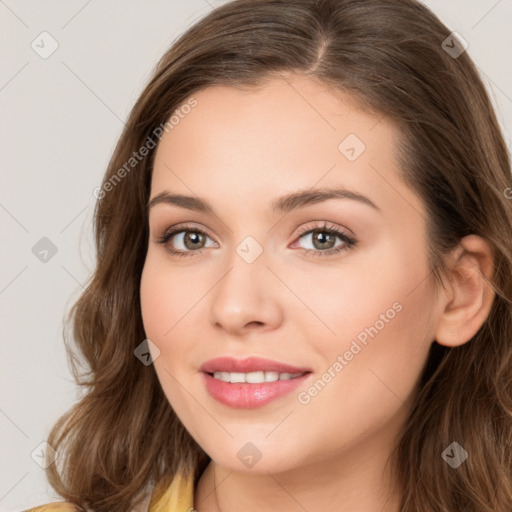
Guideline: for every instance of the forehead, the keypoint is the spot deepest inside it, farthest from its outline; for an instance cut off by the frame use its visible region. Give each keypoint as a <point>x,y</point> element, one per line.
<point>246,144</point>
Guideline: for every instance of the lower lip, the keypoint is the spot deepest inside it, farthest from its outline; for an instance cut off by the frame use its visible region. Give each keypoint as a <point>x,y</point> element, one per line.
<point>249,396</point>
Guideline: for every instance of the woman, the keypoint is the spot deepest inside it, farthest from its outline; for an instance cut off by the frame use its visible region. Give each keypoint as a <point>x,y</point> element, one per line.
<point>303,288</point>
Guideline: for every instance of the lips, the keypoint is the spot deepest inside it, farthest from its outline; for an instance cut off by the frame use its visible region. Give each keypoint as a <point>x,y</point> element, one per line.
<point>251,364</point>
<point>248,395</point>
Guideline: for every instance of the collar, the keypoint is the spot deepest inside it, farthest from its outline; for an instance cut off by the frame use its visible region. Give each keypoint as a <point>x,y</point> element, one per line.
<point>176,497</point>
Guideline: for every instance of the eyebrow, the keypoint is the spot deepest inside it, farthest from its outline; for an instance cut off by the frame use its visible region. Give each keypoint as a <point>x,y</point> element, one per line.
<point>283,204</point>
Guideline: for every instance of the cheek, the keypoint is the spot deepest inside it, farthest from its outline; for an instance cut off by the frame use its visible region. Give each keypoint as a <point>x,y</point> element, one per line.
<point>167,295</point>
<point>383,331</point>
<point>154,302</point>
<point>372,389</point>
<point>161,310</point>
<point>382,355</point>
<point>159,306</point>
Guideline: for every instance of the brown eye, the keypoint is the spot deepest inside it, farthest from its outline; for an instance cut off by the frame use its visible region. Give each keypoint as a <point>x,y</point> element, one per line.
<point>193,239</point>
<point>323,240</point>
<point>184,241</point>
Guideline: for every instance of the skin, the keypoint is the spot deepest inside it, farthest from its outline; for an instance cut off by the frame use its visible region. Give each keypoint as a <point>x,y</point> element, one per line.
<point>240,150</point>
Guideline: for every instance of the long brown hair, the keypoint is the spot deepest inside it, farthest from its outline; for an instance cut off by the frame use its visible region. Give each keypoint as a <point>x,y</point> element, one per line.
<point>392,56</point>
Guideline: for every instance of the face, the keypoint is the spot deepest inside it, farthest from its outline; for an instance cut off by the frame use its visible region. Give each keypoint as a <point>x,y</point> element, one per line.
<point>336,285</point>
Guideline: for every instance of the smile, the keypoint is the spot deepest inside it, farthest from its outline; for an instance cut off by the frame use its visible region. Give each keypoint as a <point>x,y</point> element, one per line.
<point>254,377</point>
<point>235,389</point>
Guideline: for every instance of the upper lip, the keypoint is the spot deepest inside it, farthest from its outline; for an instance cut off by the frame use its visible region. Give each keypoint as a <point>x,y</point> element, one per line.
<point>251,364</point>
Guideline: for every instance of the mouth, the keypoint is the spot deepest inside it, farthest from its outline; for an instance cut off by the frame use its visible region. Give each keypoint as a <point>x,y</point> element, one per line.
<point>250,383</point>
<point>249,366</point>
<point>258,377</point>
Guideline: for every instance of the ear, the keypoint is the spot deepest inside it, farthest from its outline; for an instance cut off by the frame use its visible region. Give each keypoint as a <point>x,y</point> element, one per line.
<point>468,298</point>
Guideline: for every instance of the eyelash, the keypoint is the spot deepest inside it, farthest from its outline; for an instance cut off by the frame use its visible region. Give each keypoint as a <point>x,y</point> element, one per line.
<point>349,241</point>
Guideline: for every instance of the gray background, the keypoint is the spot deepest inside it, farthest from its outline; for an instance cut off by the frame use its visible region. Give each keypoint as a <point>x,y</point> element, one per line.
<point>61,117</point>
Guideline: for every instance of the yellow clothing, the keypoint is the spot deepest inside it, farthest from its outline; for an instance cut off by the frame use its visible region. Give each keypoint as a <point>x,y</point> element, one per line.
<point>177,497</point>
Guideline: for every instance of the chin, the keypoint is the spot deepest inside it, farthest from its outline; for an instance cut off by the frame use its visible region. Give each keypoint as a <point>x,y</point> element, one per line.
<point>254,457</point>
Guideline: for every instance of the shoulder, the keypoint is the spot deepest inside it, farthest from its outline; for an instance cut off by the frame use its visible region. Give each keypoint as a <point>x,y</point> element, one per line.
<point>58,506</point>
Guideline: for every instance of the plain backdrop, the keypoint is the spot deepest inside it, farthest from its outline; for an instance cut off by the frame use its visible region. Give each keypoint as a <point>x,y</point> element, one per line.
<point>61,117</point>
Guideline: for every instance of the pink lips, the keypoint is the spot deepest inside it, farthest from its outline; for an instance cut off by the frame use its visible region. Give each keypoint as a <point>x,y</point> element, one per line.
<point>245,395</point>
<point>251,364</point>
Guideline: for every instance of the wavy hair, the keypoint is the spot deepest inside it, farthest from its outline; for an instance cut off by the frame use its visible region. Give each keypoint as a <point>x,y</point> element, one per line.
<point>391,55</point>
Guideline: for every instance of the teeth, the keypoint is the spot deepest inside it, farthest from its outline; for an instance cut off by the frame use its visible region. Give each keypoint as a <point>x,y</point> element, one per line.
<point>254,377</point>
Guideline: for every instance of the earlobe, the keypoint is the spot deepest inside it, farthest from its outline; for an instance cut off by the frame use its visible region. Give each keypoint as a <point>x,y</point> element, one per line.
<point>469,297</point>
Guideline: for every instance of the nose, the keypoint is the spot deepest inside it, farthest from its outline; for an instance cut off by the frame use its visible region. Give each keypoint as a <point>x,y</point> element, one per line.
<point>246,297</point>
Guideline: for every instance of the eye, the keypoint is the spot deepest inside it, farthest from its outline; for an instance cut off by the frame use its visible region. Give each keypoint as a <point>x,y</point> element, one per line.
<point>323,239</point>
<point>189,239</point>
